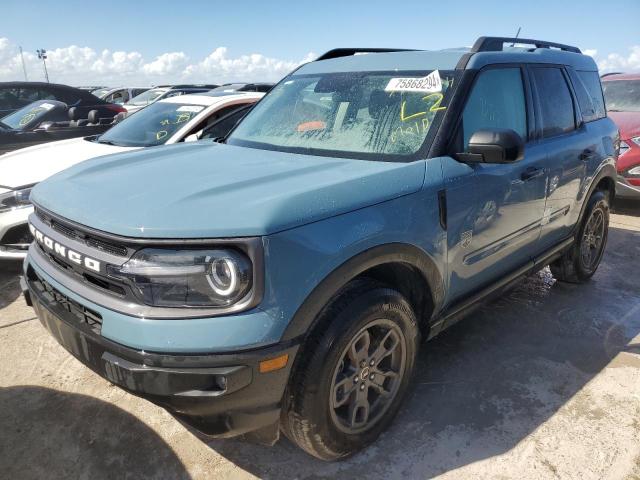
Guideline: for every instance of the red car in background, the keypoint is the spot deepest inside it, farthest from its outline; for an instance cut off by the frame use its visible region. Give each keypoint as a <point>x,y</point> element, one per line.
<point>622,96</point>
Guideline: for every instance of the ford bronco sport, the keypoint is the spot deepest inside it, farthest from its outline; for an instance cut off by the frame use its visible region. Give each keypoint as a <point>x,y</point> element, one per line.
<point>282,279</point>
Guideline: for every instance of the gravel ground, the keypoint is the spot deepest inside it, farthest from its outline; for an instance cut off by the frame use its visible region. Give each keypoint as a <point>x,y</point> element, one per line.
<point>543,383</point>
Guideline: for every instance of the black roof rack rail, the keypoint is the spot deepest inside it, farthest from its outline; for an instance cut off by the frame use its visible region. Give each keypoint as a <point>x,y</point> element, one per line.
<point>611,73</point>
<point>347,52</point>
<point>496,44</point>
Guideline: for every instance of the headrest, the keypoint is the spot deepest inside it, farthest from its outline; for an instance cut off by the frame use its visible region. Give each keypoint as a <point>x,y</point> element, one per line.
<point>93,116</point>
<point>74,113</point>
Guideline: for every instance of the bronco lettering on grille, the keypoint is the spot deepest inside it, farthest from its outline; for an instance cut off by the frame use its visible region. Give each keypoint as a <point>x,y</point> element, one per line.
<point>63,251</point>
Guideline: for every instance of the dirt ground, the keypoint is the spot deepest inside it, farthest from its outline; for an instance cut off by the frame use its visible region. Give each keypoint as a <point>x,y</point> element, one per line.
<point>543,383</point>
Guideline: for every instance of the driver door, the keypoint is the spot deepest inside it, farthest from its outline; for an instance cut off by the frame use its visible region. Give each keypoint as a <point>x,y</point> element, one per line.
<point>494,210</point>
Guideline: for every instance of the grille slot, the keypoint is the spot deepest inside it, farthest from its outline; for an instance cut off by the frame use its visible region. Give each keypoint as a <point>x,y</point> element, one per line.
<point>117,250</point>
<point>57,299</point>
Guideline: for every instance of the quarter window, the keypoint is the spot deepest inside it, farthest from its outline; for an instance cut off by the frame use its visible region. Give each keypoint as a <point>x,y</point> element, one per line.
<point>496,101</point>
<point>556,102</point>
<point>591,81</point>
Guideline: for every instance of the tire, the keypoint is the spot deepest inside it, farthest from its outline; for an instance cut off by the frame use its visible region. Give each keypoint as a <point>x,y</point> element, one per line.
<point>576,265</point>
<point>316,415</point>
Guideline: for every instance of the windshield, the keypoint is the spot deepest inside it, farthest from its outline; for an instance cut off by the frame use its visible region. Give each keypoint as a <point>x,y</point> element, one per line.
<point>151,126</point>
<point>100,92</point>
<point>374,115</point>
<point>26,115</point>
<point>622,95</point>
<point>147,97</point>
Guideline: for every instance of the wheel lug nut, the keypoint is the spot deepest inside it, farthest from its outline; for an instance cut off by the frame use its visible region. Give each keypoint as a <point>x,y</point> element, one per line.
<point>372,376</point>
<point>355,379</point>
<point>372,363</point>
<point>362,386</point>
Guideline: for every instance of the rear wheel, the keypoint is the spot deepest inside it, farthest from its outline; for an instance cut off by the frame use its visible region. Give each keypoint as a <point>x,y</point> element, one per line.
<point>352,378</point>
<point>579,263</point>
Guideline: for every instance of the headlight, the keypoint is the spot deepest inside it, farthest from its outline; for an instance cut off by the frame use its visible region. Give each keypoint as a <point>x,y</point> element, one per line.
<point>636,140</point>
<point>187,278</point>
<point>15,199</point>
<point>624,148</point>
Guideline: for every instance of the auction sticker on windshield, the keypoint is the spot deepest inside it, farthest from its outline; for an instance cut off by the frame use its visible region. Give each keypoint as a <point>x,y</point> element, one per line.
<point>429,84</point>
<point>190,108</point>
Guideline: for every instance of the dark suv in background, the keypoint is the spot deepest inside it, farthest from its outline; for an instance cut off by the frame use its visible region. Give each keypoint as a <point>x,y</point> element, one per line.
<point>16,95</point>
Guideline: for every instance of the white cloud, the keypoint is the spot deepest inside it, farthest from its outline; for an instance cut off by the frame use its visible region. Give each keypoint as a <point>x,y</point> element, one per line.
<point>83,65</point>
<point>621,63</point>
<point>167,64</point>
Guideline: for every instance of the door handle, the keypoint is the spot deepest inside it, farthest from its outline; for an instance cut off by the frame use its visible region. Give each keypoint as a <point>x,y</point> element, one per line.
<point>531,173</point>
<point>587,153</point>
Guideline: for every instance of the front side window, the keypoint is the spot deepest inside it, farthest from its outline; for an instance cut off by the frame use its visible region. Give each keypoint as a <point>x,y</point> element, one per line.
<point>151,126</point>
<point>622,95</point>
<point>496,101</point>
<point>368,115</point>
<point>556,102</point>
<point>224,123</point>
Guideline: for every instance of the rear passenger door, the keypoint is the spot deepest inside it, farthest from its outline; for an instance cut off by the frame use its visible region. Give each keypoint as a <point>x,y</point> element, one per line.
<point>568,148</point>
<point>494,210</point>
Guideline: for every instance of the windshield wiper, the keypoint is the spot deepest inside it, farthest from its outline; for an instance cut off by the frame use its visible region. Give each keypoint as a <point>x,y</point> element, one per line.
<point>109,142</point>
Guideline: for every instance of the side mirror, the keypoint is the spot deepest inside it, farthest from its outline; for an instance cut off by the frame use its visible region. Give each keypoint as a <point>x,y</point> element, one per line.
<point>498,145</point>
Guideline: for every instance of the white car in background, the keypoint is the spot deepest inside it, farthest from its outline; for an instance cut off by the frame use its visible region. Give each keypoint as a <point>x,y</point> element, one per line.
<point>119,95</point>
<point>172,120</point>
<point>161,92</point>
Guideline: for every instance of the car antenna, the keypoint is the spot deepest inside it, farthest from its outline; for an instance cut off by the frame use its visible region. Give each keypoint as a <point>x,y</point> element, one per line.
<point>517,35</point>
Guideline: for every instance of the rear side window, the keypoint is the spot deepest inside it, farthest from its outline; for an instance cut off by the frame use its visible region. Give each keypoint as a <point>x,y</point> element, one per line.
<point>587,108</point>
<point>591,81</point>
<point>556,102</point>
<point>496,101</point>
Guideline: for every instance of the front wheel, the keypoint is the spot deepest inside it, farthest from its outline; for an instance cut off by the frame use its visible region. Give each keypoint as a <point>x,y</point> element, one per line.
<point>354,373</point>
<point>578,264</point>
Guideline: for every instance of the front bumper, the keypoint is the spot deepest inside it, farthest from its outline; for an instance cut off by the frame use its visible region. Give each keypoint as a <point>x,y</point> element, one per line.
<point>13,227</point>
<point>221,395</point>
<point>625,190</point>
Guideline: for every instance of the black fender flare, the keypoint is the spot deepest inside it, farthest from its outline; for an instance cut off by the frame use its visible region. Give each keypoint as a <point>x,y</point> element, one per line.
<point>303,320</point>
<point>606,170</point>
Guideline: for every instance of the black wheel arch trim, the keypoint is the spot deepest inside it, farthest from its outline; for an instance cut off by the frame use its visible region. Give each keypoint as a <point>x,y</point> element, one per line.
<point>303,320</point>
<point>607,170</point>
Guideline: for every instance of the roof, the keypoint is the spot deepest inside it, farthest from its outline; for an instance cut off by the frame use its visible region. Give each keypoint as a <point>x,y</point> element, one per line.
<point>621,76</point>
<point>403,60</point>
<point>486,51</point>
<point>208,100</point>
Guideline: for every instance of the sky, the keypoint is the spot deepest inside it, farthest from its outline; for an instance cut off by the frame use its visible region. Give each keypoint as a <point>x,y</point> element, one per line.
<point>141,42</point>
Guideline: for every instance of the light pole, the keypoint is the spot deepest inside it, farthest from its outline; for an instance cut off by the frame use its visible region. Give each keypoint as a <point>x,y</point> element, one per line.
<point>42,55</point>
<point>24,68</point>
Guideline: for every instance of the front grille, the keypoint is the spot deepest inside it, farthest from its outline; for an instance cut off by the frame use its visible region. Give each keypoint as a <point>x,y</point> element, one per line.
<point>99,282</point>
<point>57,299</point>
<point>78,235</point>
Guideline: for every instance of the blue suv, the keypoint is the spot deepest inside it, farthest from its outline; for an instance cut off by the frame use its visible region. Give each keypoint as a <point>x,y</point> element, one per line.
<point>282,279</point>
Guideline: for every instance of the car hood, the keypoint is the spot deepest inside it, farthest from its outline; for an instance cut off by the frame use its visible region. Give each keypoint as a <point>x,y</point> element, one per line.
<point>33,164</point>
<point>208,190</point>
<point>627,122</point>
